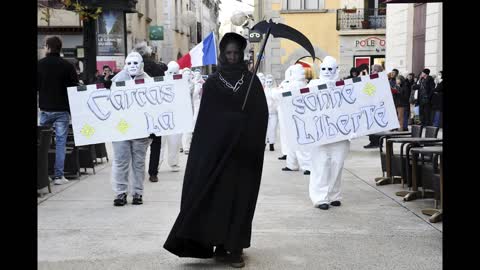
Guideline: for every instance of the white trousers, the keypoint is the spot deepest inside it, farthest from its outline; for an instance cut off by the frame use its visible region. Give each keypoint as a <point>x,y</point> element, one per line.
<point>283,135</point>
<point>186,141</point>
<point>272,128</point>
<point>129,160</point>
<point>326,174</point>
<point>299,160</point>
<point>173,142</point>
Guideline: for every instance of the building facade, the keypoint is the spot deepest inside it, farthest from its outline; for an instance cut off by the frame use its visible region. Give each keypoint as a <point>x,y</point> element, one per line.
<point>63,23</point>
<point>179,26</point>
<point>186,23</point>
<point>361,25</point>
<point>316,19</point>
<point>416,43</point>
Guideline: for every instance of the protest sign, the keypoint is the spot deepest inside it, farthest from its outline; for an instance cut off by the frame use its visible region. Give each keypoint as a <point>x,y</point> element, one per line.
<point>130,109</point>
<point>337,111</point>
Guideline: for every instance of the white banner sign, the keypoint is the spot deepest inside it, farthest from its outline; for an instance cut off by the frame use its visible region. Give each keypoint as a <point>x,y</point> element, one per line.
<point>130,109</point>
<point>343,110</point>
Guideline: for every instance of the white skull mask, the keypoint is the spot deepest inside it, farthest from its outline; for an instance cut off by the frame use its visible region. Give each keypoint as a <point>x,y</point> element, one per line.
<point>298,73</point>
<point>134,64</point>
<point>197,75</point>
<point>269,80</point>
<point>186,72</point>
<point>328,69</point>
<point>173,68</point>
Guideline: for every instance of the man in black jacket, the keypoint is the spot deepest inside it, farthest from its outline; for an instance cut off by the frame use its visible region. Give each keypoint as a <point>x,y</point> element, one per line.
<point>425,87</point>
<point>153,70</point>
<point>54,75</point>
<point>106,77</point>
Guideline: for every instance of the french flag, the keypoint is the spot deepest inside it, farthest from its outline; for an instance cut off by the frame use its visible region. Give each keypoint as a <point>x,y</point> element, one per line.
<point>205,53</point>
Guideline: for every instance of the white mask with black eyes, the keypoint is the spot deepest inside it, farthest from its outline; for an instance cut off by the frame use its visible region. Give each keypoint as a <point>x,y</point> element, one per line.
<point>328,69</point>
<point>134,64</point>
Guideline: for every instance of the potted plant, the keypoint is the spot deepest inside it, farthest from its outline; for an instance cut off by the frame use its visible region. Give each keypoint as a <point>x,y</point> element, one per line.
<point>349,10</point>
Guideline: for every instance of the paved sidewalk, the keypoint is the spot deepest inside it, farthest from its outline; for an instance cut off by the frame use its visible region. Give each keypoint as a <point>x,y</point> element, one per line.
<point>79,228</point>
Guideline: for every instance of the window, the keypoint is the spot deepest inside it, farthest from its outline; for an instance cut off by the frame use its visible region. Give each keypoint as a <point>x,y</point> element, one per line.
<point>303,4</point>
<point>374,4</point>
<point>199,32</point>
<point>312,4</point>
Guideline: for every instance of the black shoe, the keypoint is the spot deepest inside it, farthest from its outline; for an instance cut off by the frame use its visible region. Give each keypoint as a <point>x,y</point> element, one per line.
<point>370,146</point>
<point>271,147</point>
<point>323,206</point>
<point>287,169</point>
<point>307,172</point>
<point>220,253</point>
<point>137,199</point>
<point>153,178</point>
<point>236,260</point>
<point>335,203</point>
<point>284,157</point>
<point>120,200</point>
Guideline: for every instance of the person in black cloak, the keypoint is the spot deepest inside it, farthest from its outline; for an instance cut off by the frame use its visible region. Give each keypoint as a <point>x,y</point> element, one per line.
<point>224,167</point>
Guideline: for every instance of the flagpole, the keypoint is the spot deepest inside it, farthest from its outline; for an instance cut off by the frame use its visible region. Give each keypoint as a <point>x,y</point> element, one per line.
<point>260,54</point>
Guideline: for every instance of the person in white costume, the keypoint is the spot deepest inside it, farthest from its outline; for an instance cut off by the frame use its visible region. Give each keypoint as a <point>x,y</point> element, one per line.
<point>173,142</point>
<point>187,137</point>
<point>276,96</point>
<point>129,155</point>
<point>197,93</point>
<point>327,160</point>
<point>297,159</point>
<point>272,111</point>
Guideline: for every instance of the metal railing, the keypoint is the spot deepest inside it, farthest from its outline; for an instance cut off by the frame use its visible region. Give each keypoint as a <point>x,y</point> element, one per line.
<point>361,18</point>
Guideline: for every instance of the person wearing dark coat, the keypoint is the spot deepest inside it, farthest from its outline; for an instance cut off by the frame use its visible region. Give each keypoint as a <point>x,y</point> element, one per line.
<point>403,104</point>
<point>224,167</point>
<point>425,88</point>
<point>153,70</point>
<point>55,75</point>
<point>353,73</point>
<point>410,81</point>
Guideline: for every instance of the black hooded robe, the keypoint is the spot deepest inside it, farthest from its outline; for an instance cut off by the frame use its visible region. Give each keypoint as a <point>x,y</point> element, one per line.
<point>223,172</point>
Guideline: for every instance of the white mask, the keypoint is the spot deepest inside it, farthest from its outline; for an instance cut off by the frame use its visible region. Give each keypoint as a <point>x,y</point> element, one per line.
<point>328,69</point>
<point>197,75</point>
<point>269,80</point>
<point>134,64</point>
<point>186,72</point>
<point>173,68</point>
<point>298,73</point>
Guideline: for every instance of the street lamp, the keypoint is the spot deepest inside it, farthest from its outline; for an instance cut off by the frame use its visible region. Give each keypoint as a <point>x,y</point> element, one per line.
<point>189,18</point>
<point>240,18</point>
